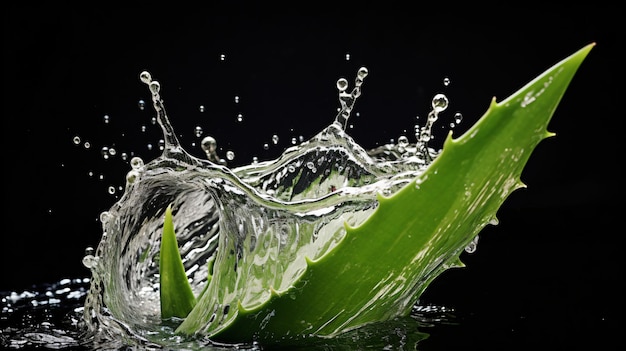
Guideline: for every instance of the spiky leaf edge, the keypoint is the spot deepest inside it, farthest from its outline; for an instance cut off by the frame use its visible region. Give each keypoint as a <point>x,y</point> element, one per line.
<point>381,267</point>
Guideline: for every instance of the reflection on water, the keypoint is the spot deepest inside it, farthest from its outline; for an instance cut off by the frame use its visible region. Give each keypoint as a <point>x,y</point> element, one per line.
<point>50,317</point>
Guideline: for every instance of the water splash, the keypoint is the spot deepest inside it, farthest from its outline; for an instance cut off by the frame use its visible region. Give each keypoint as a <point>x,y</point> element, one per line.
<point>244,221</point>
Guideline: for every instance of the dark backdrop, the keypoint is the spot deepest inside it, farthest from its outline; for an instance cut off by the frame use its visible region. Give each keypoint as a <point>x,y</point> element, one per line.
<point>551,273</point>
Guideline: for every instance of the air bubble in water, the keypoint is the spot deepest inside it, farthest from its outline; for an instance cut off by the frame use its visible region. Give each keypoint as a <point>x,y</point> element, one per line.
<point>76,140</point>
<point>239,117</point>
<point>142,105</point>
<point>106,119</point>
<point>230,155</point>
<point>201,108</point>
<point>275,139</point>
<point>446,81</point>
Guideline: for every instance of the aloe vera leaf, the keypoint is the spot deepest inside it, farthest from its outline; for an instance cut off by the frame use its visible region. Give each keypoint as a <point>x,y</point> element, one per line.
<point>177,298</point>
<point>381,267</point>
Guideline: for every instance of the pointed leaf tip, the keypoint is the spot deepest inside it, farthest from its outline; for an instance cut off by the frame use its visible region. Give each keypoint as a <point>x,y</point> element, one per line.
<point>177,298</point>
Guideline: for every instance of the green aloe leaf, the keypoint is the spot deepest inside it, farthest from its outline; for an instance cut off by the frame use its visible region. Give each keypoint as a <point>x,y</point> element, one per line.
<point>381,267</point>
<point>177,298</point>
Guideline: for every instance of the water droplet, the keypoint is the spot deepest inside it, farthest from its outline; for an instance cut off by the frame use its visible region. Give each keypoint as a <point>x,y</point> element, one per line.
<point>132,176</point>
<point>155,87</point>
<point>145,77</point>
<point>403,141</point>
<point>342,84</point>
<point>471,247</point>
<point>458,117</point>
<point>198,131</point>
<point>136,162</point>
<point>104,217</point>
<point>105,152</point>
<point>446,81</point>
<point>230,155</point>
<point>89,261</point>
<point>440,102</point>
<point>362,73</point>
<point>142,105</point>
<point>209,144</point>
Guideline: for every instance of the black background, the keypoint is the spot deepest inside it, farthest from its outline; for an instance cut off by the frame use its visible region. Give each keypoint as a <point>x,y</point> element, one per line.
<point>550,274</point>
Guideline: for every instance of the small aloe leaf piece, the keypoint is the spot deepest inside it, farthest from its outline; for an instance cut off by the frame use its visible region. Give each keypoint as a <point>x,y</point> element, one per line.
<point>380,268</point>
<point>177,298</point>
